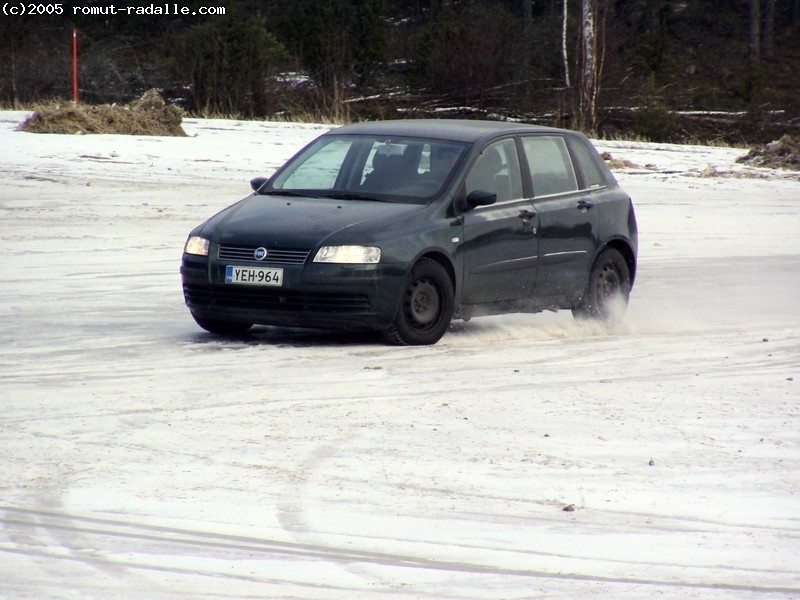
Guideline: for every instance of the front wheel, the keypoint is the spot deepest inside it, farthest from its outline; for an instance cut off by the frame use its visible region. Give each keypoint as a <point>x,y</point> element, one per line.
<point>607,291</point>
<point>426,306</point>
<point>222,327</point>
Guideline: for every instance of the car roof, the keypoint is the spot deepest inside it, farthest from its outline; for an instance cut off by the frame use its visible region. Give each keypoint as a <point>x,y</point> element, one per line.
<point>445,129</point>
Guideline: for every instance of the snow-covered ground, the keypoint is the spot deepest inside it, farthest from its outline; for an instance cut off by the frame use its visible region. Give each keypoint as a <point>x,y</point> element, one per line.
<point>143,458</point>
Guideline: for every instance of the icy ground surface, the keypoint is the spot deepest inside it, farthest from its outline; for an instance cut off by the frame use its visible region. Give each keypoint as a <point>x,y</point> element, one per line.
<point>144,458</point>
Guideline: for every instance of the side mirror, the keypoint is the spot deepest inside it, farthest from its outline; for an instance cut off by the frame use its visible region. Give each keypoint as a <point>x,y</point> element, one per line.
<point>257,182</point>
<point>481,198</point>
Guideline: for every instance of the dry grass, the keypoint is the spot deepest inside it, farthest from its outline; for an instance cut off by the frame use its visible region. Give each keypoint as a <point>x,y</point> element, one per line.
<point>149,115</point>
<point>618,163</point>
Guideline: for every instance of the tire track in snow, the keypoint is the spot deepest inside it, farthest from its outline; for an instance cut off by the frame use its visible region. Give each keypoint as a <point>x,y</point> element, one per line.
<point>120,533</point>
<point>295,520</point>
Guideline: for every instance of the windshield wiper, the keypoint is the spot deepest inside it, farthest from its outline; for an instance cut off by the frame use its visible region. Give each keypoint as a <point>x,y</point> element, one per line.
<point>287,193</point>
<point>350,196</point>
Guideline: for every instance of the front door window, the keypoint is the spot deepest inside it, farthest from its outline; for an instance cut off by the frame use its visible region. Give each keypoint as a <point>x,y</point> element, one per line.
<point>497,171</point>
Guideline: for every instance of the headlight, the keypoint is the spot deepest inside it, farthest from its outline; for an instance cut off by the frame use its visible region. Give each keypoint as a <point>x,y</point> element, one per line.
<point>349,255</point>
<point>196,245</point>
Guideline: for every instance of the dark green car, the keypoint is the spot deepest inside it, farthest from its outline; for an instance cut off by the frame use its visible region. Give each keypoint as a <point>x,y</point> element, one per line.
<point>402,226</point>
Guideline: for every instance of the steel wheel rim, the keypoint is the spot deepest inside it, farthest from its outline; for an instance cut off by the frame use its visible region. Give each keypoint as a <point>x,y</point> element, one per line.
<point>423,303</point>
<point>609,283</point>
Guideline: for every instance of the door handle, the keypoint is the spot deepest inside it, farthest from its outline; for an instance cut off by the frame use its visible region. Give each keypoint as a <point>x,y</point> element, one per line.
<point>526,215</point>
<point>585,204</point>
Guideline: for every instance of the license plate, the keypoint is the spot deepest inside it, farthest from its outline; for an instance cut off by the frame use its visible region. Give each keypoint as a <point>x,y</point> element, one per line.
<point>254,275</point>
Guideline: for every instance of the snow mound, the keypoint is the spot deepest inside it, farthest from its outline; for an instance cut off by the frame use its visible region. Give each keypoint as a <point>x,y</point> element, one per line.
<point>780,154</point>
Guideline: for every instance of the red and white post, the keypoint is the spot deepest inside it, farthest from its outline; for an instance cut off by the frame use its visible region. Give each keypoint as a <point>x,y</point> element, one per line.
<point>75,66</point>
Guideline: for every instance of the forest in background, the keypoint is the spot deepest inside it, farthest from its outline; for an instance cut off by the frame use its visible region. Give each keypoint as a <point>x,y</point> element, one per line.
<point>692,70</point>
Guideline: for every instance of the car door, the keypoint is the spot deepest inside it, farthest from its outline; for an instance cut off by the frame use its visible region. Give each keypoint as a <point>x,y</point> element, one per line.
<point>566,231</point>
<point>499,245</point>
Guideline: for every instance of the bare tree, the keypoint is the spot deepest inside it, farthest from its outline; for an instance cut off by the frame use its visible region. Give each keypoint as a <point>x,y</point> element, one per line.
<point>755,30</point>
<point>768,30</point>
<point>587,88</point>
<point>762,30</point>
<point>527,36</point>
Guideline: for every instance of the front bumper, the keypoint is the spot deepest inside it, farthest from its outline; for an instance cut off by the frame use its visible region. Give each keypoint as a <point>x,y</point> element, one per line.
<point>312,295</point>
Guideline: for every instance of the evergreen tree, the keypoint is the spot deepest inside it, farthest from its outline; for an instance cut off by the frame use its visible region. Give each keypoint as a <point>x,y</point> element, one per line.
<point>228,61</point>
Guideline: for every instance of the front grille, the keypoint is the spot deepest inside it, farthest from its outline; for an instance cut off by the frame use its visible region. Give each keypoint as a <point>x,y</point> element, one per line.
<point>275,256</point>
<point>274,300</point>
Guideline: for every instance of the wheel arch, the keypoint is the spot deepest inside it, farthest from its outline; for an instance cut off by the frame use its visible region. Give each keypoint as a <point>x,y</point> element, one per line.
<point>444,260</point>
<point>628,254</point>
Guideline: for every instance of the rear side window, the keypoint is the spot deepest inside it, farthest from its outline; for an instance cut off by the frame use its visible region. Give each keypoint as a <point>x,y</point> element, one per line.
<point>592,176</point>
<point>550,165</point>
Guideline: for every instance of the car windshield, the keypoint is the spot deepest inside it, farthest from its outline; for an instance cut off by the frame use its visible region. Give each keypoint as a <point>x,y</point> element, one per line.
<point>359,167</point>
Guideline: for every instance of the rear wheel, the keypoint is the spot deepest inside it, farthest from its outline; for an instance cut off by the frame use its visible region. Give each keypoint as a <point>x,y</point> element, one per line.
<point>426,306</point>
<point>222,327</point>
<point>608,289</point>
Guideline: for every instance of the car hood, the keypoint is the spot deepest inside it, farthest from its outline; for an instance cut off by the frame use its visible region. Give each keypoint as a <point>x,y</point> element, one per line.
<point>289,222</point>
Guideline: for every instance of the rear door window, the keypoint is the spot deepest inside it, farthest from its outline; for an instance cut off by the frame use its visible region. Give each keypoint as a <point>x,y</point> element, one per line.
<point>550,165</point>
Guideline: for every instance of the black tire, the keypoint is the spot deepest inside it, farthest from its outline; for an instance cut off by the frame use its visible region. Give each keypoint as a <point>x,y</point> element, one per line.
<point>607,291</point>
<point>222,327</point>
<point>426,306</point>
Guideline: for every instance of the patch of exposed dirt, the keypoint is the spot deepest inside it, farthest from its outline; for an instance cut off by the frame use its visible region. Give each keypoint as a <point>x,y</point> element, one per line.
<point>149,115</point>
<point>780,154</point>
